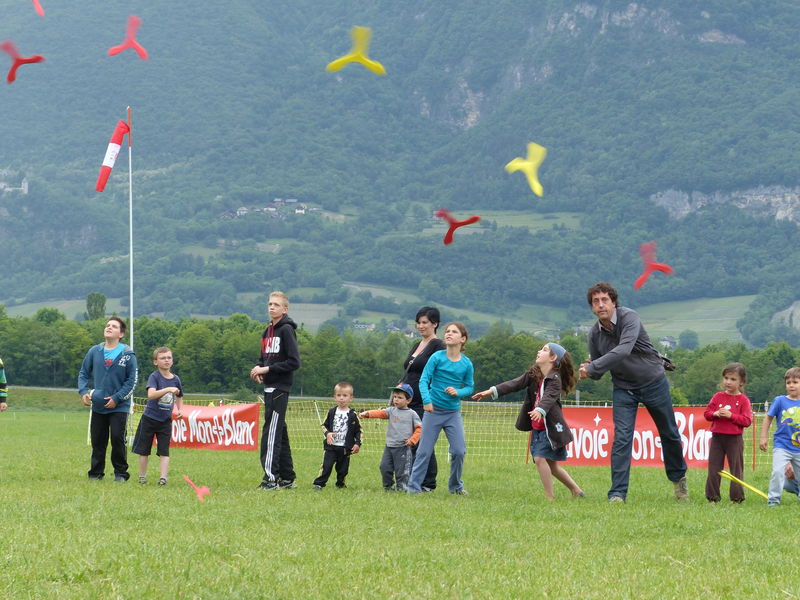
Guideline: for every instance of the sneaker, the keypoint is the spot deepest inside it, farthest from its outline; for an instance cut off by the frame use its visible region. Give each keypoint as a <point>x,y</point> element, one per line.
<point>142,480</point>
<point>94,478</point>
<point>461,492</point>
<point>286,484</point>
<point>681,490</point>
<point>341,486</point>
<point>119,479</point>
<point>427,489</point>
<point>317,488</point>
<point>162,482</point>
<point>268,486</point>
<point>616,500</point>
<point>773,504</point>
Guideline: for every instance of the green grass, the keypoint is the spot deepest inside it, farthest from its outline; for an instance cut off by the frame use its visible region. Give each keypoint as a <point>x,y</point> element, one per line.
<point>70,308</point>
<point>64,537</point>
<point>201,251</point>
<point>714,319</point>
<point>312,315</point>
<point>532,220</point>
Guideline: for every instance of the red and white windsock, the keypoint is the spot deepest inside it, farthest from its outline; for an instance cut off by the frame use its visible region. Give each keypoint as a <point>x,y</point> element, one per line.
<point>111,154</point>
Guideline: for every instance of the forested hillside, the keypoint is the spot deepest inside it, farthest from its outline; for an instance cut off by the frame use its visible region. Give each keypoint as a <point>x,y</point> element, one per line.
<point>235,108</point>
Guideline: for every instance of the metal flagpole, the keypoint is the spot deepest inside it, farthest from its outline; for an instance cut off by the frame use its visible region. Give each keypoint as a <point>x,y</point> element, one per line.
<point>129,437</point>
<point>130,229</point>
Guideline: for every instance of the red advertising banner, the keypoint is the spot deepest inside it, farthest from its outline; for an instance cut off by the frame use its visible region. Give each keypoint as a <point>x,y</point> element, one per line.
<point>232,427</point>
<point>593,429</point>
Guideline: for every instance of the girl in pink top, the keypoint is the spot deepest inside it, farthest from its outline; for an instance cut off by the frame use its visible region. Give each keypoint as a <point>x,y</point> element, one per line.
<point>729,413</point>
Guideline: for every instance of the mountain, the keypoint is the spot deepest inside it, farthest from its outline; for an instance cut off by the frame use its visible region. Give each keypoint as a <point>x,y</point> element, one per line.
<point>234,109</point>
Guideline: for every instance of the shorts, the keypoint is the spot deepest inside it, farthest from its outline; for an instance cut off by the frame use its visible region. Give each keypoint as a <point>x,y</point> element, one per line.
<point>540,446</point>
<point>149,428</point>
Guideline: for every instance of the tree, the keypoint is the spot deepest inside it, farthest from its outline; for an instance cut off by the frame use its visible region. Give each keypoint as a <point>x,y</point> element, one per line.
<point>688,339</point>
<point>49,316</point>
<point>95,306</point>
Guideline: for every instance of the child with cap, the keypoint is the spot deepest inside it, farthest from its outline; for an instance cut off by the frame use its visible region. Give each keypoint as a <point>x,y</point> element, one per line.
<point>402,433</point>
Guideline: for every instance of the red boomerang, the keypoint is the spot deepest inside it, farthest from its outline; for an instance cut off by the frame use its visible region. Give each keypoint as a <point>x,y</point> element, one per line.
<point>443,214</point>
<point>9,48</point>
<point>200,491</point>
<point>38,7</point>
<point>130,39</point>
<point>648,252</point>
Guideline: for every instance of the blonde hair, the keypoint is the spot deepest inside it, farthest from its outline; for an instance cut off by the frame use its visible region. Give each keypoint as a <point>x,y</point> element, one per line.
<point>342,386</point>
<point>160,350</point>
<point>280,295</point>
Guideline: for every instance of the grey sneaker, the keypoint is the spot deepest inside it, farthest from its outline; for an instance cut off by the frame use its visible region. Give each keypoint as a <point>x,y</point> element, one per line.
<point>616,500</point>
<point>286,484</point>
<point>682,490</point>
<point>142,480</point>
<point>461,492</point>
<point>268,486</point>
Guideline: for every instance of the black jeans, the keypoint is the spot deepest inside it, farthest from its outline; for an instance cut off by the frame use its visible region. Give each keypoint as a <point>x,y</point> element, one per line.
<point>334,455</point>
<point>102,425</point>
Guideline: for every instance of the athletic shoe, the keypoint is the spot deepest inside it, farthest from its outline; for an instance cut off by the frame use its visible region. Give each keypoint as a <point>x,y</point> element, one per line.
<point>773,504</point>
<point>162,482</point>
<point>268,486</point>
<point>119,479</point>
<point>341,486</point>
<point>681,490</point>
<point>461,492</point>
<point>142,480</point>
<point>427,489</point>
<point>286,484</point>
<point>94,478</point>
<point>616,500</point>
<point>317,488</point>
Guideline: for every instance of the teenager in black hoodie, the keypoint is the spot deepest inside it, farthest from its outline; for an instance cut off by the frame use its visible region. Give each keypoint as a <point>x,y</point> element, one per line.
<point>279,359</point>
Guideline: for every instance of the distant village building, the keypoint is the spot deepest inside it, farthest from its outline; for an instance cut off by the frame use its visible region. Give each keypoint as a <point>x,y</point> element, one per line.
<point>23,187</point>
<point>669,342</point>
<point>365,326</point>
<point>242,211</point>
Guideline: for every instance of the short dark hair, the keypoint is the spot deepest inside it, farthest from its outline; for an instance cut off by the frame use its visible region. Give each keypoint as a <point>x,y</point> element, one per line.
<point>602,287</point>
<point>433,316</point>
<point>122,325</point>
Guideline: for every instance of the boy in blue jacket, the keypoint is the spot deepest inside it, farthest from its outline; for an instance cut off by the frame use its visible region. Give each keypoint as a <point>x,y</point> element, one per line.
<point>111,366</point>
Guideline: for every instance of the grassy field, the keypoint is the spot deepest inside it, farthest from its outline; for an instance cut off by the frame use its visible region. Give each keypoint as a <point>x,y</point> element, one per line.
<point>714,319</point>
<point>64,537</point>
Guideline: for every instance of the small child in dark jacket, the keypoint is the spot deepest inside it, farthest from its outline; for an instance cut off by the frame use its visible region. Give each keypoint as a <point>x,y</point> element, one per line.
<point>342,431</point>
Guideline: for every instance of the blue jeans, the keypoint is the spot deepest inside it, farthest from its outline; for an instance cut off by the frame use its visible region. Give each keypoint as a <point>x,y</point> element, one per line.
<point>432,425</point>
<point>777,482</point>
<point>658,402</point>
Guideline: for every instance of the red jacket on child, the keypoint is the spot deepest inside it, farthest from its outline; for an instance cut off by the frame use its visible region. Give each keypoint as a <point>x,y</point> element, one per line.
<point>741,413</point>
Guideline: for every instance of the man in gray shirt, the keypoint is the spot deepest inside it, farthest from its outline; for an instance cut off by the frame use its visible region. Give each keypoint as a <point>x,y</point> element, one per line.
<point>619,343</point>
